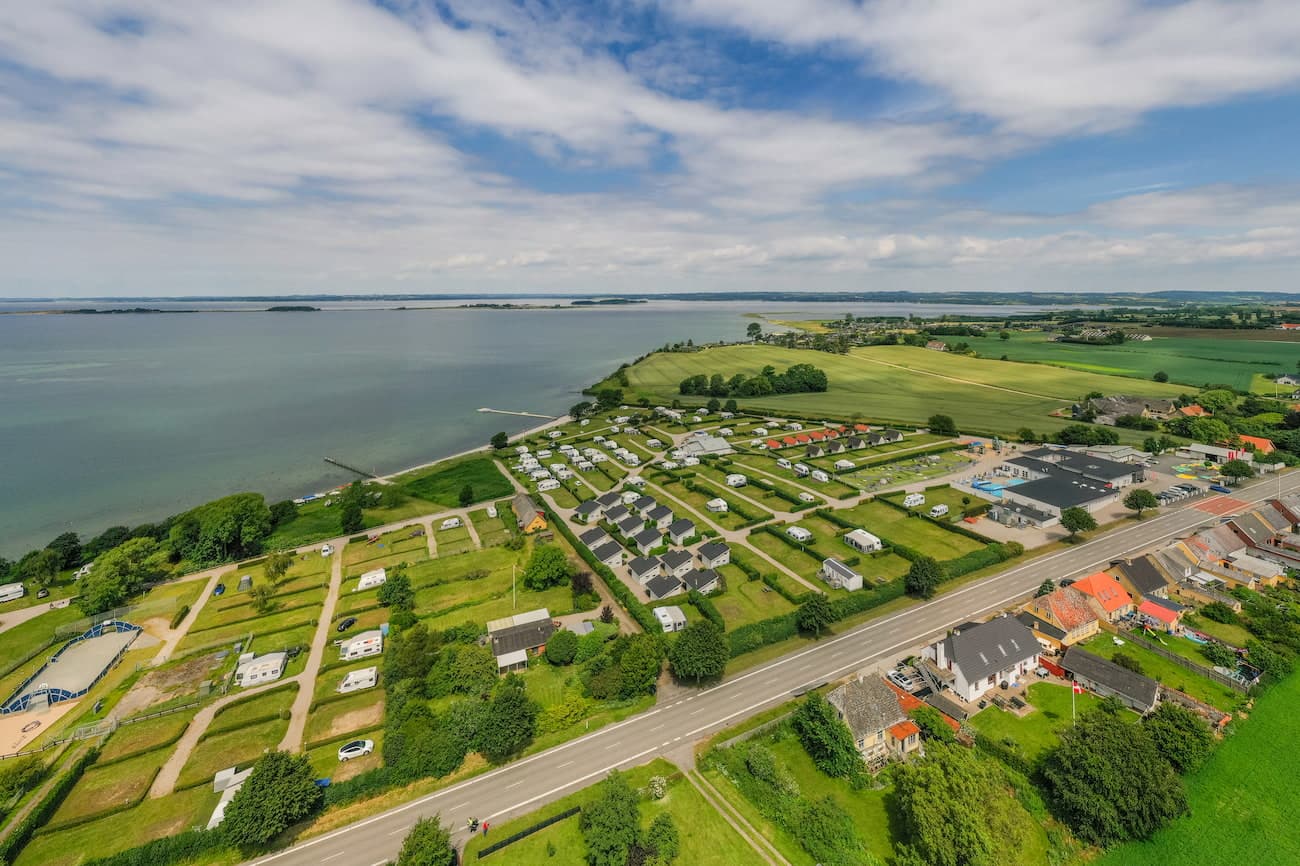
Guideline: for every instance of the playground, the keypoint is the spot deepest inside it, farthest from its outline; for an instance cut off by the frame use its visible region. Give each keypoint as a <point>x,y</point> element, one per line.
<point>1205,471</point>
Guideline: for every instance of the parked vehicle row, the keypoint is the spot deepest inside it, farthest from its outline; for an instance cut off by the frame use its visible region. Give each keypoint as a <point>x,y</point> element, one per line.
<point>1179,492</point>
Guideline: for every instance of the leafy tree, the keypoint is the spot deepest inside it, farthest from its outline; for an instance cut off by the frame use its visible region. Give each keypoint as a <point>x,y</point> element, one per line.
<point>1026,434</point>
<point>277,566</point>
<point>1180,736</point>
<point>1237,470</point>
<point>1267,659</point>
<point>1217,611</point>
<point>825,738</point>
<point>701,652</point>
<point>428,844</point>
<point>547,567</point>
<point>232,527</point>
<point>610,825</point>
<point>640,663</point>
<point>1047,587</point>
<point>730,406</point>
<point>1208,430</point>
<point>815,614</point>
<point>462,669</point>
<point>607,614</point>
<point>397,592</point>
<point>754,330</point>
<point>40,567</point>
<point>104,542</point>
<point>933,727</point>
<point>608,398</point>
<point>466,495</point>
<point>283,512</point>
<point>68,548</point>
<point>942,425</point>
<point>1004,335</point>
<point>500,440</point>
<point>121,573</point>
<point>1217,399</point>
<point>562,647</point>
<point>510,722</point>
<point>263,597</point>
<point>1139,499</point>
<point>713,405</point>
<point>954,810</point>
<point>1219,655</point>
<point>662,839</point>
<point>1161,376</point>
<point>1076,520</point>
<point>577,410</point>
<point>1085,434</point>
<point>1109,783</point>
<point>580,584</point>
<point>280,792</point>
<point>410,654</point>
<point>350,517</point>
<point>923,577</point>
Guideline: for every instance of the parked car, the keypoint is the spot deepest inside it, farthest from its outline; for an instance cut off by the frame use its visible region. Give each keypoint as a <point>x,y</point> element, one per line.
<point>327,550</point>
<point>900,679</point>
<point>219,590</point>
<point>43,593</point>
<point>356,749</point>
<point>347,623</point>
<point>1219,488</point>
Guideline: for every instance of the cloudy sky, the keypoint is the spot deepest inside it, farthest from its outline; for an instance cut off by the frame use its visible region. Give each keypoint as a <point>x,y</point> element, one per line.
<point>301,146</point>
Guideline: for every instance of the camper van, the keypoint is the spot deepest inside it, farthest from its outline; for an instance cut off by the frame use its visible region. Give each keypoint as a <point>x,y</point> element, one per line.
<point>913,499</point>
<point>371,579</point>
<point>451,523</point>
<point>939,511</point>
<point>355,681</point>
<point>12,591</point>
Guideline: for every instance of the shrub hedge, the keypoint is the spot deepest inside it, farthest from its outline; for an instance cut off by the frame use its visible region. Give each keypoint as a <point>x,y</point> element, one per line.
<point>706,608</point>
<point>617,588</point>
<point>45,809</point>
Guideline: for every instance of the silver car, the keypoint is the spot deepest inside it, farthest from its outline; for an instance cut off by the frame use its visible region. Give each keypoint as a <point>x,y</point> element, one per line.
<point>356,749</point>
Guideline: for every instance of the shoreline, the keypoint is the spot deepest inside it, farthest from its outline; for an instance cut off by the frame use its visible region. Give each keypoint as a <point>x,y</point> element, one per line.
<point>523,434</point>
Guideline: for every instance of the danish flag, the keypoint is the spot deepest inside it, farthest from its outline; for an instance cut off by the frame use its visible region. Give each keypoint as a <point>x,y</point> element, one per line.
<point>1078,688</point>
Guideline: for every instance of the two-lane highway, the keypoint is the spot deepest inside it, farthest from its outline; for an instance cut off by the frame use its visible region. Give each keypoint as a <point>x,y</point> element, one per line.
<point>526,784</point>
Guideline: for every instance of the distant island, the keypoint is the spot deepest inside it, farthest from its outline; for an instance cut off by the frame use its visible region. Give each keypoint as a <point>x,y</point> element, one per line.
<point>607,302</point>
<point>293,308</point>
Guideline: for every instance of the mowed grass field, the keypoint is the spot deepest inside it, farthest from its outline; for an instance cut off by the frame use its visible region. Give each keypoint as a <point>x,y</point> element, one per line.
<point>914,532</point>
<point>1190,360</point>
<point>1243,801</point>
<point>898,384</point>
<point>442,484</point>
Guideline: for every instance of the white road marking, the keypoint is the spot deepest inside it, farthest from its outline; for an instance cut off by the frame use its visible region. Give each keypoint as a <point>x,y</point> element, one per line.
<point>333,856</point>
<point>565,764</point>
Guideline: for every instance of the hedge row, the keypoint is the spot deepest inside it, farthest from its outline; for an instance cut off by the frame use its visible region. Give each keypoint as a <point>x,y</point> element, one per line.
<point>180,615</point>
<point>113,810</point>
<point>975,560</point>
<point>18,838</point>
<point>706,608</point>
<point>617,588</point>
<point>764,484</point>
<point>778,531</point>
<point>169,850</point>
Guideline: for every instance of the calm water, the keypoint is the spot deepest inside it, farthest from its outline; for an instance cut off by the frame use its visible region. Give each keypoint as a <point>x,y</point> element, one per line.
<point>126,419</point>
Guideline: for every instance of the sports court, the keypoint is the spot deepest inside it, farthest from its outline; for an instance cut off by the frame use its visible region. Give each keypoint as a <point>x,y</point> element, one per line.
<point>73,670</point>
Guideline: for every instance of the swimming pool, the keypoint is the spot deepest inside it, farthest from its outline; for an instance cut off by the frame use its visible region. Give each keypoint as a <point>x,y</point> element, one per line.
<point>995,488</point>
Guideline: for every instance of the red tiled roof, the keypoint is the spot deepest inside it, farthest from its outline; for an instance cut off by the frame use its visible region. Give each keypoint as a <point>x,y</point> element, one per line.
<point>903,730</point>
<point>803,437</point>
<point>1105,589</point>
<point>790,440</point>
<point>862,428</point>
<point>1070,609</point>
<point>1194,411</point>
<point>1156,611</point>
<point>1262,445</point>
<point>772,443</point>
<point>818,435</point>
<point>908,702</point>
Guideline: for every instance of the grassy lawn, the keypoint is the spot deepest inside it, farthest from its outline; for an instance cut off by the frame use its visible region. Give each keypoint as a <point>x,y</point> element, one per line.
<point>342,717</point>
<point>914,532</point>
<point>239,747</point>
<point>909,471</point>
<point>325,758</point>
<point>696,500</point>
<point>491,531</point>
<point>558,600</point>
<point>742,507</point>
<point>1242,800</point>
<point>152,819</point>
<point>260,706</point>
<point>1229,633</point>
<point>742,554</point>
<point>389,548</point>
<point>706,838</point>
<point>778,476</point>
<point>453,541</point>
<point>442,484</point>
<point>327,683</point>
<point>562,496</point>
<point>1038,731</point>
<point>748,601</point>
<point>945,495</point>
<point>19,641</point>
<point>1165,671</point>
<point>241,609</point>
<point>146,735</point>
<point>265,625</point>
<point>101,789</point>
<point>801,563</point>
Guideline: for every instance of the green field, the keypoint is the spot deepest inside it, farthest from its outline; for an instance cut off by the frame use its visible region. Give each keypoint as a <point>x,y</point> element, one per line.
<point>898,384</point>
<point>389,549</point>
<point>746,600</point>
<point>103,788</point>
<point>1169,673</point>
<point>441,484</point>
<point>706,838</point>
<point>1038,731</point>
<point>1243,801</point>
<point>142,736</point>
<point>252,709</point>
<point>340,718</point>
<point>1194,361</point>
<point>239,747</point>
<point>914,532</point>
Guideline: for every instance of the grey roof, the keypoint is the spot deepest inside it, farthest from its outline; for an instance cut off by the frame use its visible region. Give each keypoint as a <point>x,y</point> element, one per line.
<point>644,503</point>
<point>525,636</point>
<point>659,512</point>
<point>649,538</point>
<point>947,706</point>
<point>699,578</point>
<point>1143,574</point>
<point>674,559</point>
<point>1079,463</point>
<point>840,568</point>
<point>591,506</point>
<point>630,525</point>
<point>991,647</point>
<point>644,565</point>
<point>610,499</point>
<point>682,527</point>
<point>1060,489</point>
<point>1122,681</point>
<point>607,551</point>
<point>593,536</point>
<point>713,549</point>
<point>867,706</point>
<point>525,509</point>
<point>1039,624</point>
<point>617,513</point>
<point>662,586</point>
<point>857,442</point>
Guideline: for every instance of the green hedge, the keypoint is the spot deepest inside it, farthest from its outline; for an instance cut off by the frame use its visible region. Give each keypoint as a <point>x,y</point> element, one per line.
<point>181,848</point>
<point>616,587</point>
<point>21,834</point>
<point>779,532</point>
<point>706,608</point>
<point>180,615</point>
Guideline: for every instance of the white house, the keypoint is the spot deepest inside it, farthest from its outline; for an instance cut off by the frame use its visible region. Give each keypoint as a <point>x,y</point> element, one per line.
<point>714,554</point>
<point>372,579</point>
<point>451,523</point>
<point>368,643</point>
<point>737,480</point>
<point>255,670</point>
<point>717,506</point>
<point>839,576</point>
<point>863,541</point>
<point>680,530</point>
<point>798,533</point>
<point>690,461</point>
<point>357,680</point>
<point>976,658</point>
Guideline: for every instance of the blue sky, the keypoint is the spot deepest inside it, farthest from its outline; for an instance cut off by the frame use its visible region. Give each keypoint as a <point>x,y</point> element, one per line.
<point>281,146</point>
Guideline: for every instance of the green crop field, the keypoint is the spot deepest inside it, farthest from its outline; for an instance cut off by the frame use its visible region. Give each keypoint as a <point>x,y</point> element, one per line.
<point>898,384</point>
<point>1188,360</point>
<point>1242,801</point>
<point>442,484</point>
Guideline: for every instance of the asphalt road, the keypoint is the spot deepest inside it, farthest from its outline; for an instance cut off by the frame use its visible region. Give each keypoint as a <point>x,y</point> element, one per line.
<point>524,785</point>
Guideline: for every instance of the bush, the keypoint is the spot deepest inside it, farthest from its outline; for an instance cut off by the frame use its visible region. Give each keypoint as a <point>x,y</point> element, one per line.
<point>562,647</point>
<point>180,615</point>
<point>20,835</point>
<point>706,608</point>
<point>182,848</point>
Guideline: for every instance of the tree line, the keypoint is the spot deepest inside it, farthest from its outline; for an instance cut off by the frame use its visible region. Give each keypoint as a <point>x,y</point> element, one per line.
<point>797,379</point>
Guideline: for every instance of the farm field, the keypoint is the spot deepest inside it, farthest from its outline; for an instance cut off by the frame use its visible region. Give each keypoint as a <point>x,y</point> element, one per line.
<point>1038,731</point>
<point>914,532</point>
<point>897,384</point>
<point>442,484</point>
<point>1165,671</point>
<point>1242,801</point>
<point>1189,360</point>
<point>706,838</point>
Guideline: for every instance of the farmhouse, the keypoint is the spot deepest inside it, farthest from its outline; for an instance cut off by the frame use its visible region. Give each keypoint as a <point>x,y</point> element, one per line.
<point>372,579</point>
<point>1070,611</point>
<point>527,516</point>
<point>1108,679</point>
<point>863,541</point>
<point>1108,599</point>
<point>976,657</point>
<point>839,576</point>
<point>513,637</point>
<point>670,618</point>
<point>875,717</point>
<point>714,554</point>
<point>1107,410</point>
<point>255,670</point>
<point>680,530</point>
<point>367,643</point>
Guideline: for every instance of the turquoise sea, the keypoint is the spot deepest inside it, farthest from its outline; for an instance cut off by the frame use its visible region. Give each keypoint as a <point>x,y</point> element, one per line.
<point>124,419</point>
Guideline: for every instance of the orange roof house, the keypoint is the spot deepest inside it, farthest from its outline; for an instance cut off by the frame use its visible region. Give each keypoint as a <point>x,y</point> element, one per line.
<point>803,438</point>
<point>1194,411</point>
<point>862,428</point>
<point>1108,598</point>
<point>1069,610</point>
<point>772,444</point>
<point>908,702</point>
<point>1259,443</point>
<point>903,730</point>
<point>790,440</point>
<point>1161,614</point>
<point>817,435</point>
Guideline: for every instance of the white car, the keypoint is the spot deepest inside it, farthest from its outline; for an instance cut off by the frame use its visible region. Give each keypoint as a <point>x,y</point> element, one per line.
<point>900,679</point>
<point>356,749</point>
<point>327,550</point>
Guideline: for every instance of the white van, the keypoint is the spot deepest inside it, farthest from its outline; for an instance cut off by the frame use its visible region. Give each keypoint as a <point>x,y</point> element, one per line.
<point>913,499</point>
<point>451,523</point>
<point>357,680</point>
<point>939,511</point>
<point>783,463</point>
